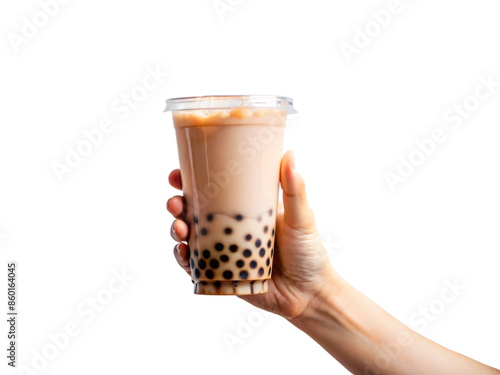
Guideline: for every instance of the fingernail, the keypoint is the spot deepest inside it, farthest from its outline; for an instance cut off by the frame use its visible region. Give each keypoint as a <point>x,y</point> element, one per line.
<point>176,247</point>
<point>172,228</point>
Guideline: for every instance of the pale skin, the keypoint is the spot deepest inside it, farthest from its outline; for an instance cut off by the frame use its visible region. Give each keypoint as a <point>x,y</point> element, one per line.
<point>306,290</point>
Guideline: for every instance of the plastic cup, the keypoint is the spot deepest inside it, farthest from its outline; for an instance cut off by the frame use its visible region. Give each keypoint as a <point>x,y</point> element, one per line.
<point>230,150</point>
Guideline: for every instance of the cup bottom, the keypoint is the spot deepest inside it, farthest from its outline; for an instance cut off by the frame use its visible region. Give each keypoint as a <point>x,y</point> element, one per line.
<point>238,288</point>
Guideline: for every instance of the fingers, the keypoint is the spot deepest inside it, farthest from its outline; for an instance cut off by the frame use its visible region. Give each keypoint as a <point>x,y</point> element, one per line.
<point>174,178</point>
<point>181,253</point>
<point>298,215</point>
<point>179,230</point>
<point>175,206</point>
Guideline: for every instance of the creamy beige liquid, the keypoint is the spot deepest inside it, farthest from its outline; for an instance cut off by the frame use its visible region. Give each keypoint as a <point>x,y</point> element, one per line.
<point>230,163</point>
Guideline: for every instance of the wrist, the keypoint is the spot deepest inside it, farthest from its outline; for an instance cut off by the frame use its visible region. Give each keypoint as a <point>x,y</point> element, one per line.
<point>324,302</point>
<point>353,329</point>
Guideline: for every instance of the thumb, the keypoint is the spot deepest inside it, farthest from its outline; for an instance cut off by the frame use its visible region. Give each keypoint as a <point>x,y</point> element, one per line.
<point>298,214</point>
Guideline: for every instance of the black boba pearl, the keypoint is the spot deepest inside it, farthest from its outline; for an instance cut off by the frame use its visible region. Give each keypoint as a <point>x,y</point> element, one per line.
<point>233,248</point>
<point>253,264</point>
<point>248,237</point>
<point>240,263</point>
<point>268,261</point>
<point>195,219</point>
<point>239,217</point>
<point>209,274</point>
<point>210,217</point>
<point>270,212</point>
<point>219,246</point>
<point>196,253</point>
<point>269,244</point>
<point>214,264</point>
<point>258,243</point>
<point>191,262</point>
<point>197,273</point>
<point>244,275</point>
<point>262,252</point>
<point>261,271</point>
<point>224,258</point>
<point>266,228</point>
<point>272,232</point>
<point>202,264</point>
<point>204,231</point>
<point>228,230</point>
<point>206,254</point>
<point>247,253</point>
<point>272,252</point>
<point>269,273</point>
<point>227,275</point>
<point>217,284</point>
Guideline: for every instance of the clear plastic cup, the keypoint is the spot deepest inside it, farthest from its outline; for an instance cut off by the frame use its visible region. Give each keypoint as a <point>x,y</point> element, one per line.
<point>230,150</point>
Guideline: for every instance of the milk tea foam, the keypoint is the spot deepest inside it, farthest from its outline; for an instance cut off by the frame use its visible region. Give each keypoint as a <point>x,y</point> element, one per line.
<point>230,160</point>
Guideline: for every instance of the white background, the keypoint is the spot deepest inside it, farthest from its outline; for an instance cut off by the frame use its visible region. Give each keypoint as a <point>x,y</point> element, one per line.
<point>355,119</point>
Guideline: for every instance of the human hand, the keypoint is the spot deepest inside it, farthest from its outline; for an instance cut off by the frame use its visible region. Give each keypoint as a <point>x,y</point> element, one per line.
<point>301,269</point>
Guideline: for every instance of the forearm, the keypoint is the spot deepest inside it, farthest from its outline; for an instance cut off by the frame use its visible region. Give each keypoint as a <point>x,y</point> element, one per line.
<point>367,340</point>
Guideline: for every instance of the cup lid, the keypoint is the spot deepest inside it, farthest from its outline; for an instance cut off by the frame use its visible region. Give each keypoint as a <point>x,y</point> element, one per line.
<point>230,101</point>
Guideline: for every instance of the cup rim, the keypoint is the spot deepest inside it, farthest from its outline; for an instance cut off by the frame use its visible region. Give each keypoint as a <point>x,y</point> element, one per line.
<point>230,101</point>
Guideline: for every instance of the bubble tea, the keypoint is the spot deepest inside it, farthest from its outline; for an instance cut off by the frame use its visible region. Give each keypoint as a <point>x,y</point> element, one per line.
<point>230,150</point>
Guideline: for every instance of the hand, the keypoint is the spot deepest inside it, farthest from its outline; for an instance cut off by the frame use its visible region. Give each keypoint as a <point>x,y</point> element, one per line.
<point>301,269</point>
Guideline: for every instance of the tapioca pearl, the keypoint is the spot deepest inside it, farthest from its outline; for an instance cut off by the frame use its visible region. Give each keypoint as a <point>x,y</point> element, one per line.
<point>244,275</point>
<point>248,237</point>
<point>240,263</point>
<point>233,248</point>
<point>269,272</point>
<point>270,212</point>
<point>266,229</point>
<point>228,230</point>
<point>219,246</point>
<point>206,254</point>
<point>210,217</point>
<point>214,263</point>
<point>269,244</point>
<point>258,243</point>
<point>247,253</point>
<point>224,258</point>
<point>204,231</point>
<point>227,275</point>
<point>197,273</point>
<point>191,262</point>
<point>253,264</point>
<point>262,252</point>
<point>239,217</point>
<point>272,252</point>
<point>268,261</point>
<point>196,253</point>
<point>272,232</point>
<point>217,284</point>
<point>261,271</point>
<point>209,274</point>
<point>202,264</point>
<point>195,219</point>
